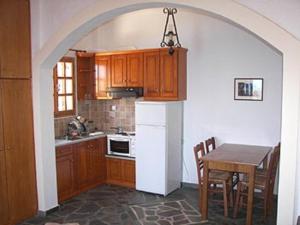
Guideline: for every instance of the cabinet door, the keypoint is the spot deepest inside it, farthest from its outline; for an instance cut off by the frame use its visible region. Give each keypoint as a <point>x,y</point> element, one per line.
<point>118,71</point>
<point>82,162</point>
<point>85,76</point>
<point>151,74</point>
<point>4,211</point>
<point>98,158</point>
<point>19,145</point>
<point>65,172</point>
<point>168,74</point>
<point>128,170</point>
<point>114,170</point>
<point>135,71</point>
<point>102,76</point>
<point>15,59</point>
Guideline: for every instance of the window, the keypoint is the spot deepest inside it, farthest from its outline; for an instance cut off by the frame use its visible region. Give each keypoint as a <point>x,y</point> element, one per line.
<point>64,87</point>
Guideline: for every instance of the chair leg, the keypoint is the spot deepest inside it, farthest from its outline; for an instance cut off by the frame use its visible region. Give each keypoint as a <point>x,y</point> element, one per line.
<point>225,199</point>
<point>237,200</point>
<point>200,198</point>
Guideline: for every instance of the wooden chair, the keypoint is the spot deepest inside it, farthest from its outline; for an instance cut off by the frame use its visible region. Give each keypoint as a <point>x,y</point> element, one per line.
<point>216,178</point>
<point>210,144</point>
<point>264,182</point>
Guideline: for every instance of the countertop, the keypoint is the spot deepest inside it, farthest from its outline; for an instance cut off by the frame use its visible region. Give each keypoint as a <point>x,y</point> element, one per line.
<point>61,142</point>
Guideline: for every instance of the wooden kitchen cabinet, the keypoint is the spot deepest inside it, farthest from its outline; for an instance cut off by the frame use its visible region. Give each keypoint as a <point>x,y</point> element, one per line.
<point>102,76</point>
<point>15,38</point>
<point>65,172</point>
<point>135,71</point>
<point>86,86</point>
<point>80,167</point>
<point>120,172</point>
<point>18,149</point>
<point>127,70</point>
<point>118,71</point>
<point>151,74</point>
<point>171,84</point>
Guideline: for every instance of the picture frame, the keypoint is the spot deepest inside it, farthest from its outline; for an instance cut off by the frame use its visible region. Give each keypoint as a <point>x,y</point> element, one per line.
<point>248,89</point>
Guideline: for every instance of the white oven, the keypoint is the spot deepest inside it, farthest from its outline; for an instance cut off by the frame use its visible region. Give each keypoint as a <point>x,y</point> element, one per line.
<point>120,144</point>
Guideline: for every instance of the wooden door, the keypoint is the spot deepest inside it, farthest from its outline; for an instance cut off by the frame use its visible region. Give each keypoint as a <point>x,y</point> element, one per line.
<point>114,170</point>
<point>118,71</point>
<point>18,139</point>
<point>65,172</point>
<point>82,162</point>
<point>151,74</point>
<point>135,70</point>
<point>15,59</point>
<point>86,76</point>
<point>168,74</point>
<point>102,76</point>
<point>128,172</point>
<point>98,157</point>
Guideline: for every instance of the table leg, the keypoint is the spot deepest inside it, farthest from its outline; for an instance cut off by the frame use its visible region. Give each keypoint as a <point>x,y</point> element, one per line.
<point>251,175</point>
<point>204,208</point>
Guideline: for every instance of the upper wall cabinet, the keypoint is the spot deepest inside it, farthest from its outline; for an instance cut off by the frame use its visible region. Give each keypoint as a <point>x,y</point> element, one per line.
<point>165,75</point>
<point>15,59</point>
<point>102,76</point>
<point>127,70</point>
<point>86,76</point>
<point>135,76</point>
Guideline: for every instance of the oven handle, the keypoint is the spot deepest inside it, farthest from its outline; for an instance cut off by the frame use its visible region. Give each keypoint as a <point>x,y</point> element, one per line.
<point>121,140</point>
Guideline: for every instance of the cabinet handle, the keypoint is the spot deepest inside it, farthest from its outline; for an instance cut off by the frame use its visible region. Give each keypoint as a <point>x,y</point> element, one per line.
<point>8,148</point>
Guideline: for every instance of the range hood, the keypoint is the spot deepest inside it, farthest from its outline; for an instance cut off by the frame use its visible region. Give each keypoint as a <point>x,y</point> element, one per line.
<point>123,92</point>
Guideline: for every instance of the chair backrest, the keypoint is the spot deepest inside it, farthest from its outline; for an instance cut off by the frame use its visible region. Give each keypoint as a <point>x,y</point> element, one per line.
<point>199,152</point>
<point>210,144</point>
<point>272,168</point>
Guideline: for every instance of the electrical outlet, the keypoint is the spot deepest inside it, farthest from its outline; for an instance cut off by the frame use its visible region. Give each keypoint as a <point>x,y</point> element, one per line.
<point>113,108</point>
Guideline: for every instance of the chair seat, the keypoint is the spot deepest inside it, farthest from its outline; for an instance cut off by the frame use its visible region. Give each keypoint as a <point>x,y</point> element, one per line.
<point>216,176</point>
<point>260,181</point>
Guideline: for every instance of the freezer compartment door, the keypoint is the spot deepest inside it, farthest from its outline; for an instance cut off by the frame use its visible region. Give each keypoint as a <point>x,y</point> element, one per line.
<point>151,159</point>
<point>150,114</point>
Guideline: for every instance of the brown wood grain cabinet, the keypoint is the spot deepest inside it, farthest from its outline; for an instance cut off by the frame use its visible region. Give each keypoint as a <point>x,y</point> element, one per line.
<point>118,71</point>
<point>80,167</point>
<point>151,74</point>
<point>121,172</point>
<point>15,34</point>
<point>65,172</point>
<point>102,76</point>
<point>86,86</point>
<point>18,148</point>
<point>135,71</point>
<point>170,82</point>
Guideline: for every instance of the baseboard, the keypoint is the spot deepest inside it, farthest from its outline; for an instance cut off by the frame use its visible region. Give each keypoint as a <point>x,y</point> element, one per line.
<point>49,211</point>
<point>189,185</point>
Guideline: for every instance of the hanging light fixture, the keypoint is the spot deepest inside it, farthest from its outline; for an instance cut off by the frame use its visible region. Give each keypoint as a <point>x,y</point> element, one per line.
<point>170,36</point>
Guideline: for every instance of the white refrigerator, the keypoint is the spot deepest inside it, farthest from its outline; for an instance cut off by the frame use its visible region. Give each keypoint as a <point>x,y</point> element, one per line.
<point>158,146</point>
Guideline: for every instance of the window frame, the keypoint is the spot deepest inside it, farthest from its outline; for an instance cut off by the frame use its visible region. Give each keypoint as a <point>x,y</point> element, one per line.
<point>64,113</point>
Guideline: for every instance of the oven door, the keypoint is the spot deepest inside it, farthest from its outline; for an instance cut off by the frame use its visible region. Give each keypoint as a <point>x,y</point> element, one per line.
<point>119,146</point>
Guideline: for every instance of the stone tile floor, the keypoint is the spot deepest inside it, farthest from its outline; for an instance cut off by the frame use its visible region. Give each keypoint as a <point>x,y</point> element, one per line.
<point>113,205</point>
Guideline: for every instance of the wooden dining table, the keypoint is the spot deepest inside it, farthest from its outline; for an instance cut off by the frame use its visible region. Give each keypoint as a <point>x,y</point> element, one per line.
<point>233,158</point>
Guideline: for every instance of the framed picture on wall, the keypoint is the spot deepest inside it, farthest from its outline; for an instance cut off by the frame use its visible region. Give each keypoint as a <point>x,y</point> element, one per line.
<point>249,89</point>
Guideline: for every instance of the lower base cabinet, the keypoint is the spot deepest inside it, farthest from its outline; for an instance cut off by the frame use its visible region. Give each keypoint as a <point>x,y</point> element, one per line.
<point>80,167</point>
<point>120,172</point>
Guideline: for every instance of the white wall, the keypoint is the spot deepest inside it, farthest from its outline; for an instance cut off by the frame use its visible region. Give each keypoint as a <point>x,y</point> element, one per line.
<point>218,52</point>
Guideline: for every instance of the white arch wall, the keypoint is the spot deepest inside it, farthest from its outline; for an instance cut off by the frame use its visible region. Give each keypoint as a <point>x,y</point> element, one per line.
<point>71,31</point>
<point>217,53</point>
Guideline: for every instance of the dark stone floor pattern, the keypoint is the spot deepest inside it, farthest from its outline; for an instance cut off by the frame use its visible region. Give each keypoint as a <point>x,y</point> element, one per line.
<point>111,205</point>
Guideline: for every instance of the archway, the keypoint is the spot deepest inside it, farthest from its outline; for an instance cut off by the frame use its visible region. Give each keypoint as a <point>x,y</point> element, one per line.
<point>103,11</point>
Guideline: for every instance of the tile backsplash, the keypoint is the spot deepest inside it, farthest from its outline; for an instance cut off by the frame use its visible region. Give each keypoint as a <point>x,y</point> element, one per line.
<point>102,115</point>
